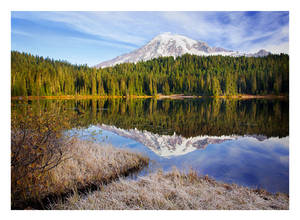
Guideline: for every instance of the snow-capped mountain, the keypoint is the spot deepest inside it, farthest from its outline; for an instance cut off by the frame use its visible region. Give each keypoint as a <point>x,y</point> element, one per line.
<point>175,45</point>
<point>261,53</point>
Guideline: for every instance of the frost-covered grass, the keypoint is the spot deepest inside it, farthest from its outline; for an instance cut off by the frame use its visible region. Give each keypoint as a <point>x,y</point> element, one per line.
<point>88,164</point>
<point>174,190</point>
<point>91,163</point>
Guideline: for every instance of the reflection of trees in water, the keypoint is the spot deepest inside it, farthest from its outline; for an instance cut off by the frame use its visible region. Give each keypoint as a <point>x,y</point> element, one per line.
<point>189,117</point>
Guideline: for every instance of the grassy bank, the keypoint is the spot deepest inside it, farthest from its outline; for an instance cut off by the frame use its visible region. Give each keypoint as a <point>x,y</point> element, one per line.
<point>79,97</point>
<point>90,163</point>
<point>174,190</point>
<point>246,96</point>
<point>85,165</point>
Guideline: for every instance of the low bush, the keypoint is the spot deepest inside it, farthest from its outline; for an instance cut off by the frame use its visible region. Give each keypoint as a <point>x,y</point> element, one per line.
<point>37,143</point>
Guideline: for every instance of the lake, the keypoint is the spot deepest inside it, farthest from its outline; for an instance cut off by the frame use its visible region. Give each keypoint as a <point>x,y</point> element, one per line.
<point>236,141</point>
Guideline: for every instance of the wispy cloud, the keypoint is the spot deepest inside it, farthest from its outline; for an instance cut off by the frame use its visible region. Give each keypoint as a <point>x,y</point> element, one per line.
<point>235,30</point>
<point>119,26</point>
<point>126,31</point>
<point>17,32</point>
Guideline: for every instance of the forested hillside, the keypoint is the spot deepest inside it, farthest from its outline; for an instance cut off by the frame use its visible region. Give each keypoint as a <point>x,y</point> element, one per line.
<point>188,74</point>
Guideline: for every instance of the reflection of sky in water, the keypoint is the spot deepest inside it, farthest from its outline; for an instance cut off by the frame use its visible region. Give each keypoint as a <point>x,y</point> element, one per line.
<point>245,161</point>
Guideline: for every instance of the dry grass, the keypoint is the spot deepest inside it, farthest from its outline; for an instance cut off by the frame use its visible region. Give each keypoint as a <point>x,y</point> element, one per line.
<point>86,165</point>
<point>91,163</point>
<point>64,97</point>
<point>177,191</point>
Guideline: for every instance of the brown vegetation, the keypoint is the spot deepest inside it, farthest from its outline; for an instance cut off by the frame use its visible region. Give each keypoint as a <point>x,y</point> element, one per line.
<point>91,163</point>
<point>246,96</point>
<point>176,96</point>
<point>36,148</point>
<point>174,190</point>
<point>64,97</point>
<point>86,165</point>
<point>45,162</point>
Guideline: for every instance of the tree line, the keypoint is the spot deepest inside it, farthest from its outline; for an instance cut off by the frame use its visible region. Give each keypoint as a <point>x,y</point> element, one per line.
<point>189,74</point>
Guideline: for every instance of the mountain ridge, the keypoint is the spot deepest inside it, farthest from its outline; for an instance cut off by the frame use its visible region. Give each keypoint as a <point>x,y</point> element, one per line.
<point>168,44</point>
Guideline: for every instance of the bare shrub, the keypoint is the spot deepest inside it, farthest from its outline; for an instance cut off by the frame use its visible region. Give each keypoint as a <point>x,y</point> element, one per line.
<point>36,148</point>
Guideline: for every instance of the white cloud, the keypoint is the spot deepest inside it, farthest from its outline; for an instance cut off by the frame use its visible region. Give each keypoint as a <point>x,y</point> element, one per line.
<point>241,32</point>
<point>18,32</point>
<point>101,43</point>
<point>103,24</point>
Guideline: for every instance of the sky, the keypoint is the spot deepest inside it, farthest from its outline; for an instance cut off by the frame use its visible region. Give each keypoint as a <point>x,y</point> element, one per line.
<point>93,37</point>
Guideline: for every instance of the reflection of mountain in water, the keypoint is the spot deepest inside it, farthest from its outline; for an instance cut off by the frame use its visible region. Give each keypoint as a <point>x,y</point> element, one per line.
<point>169,145</point>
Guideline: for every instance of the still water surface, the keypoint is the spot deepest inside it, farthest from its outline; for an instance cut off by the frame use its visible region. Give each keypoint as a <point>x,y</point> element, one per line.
<point>237,141</point>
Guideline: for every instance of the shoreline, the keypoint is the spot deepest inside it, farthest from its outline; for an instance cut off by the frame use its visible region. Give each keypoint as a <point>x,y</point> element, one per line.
<point>159,97</point>
<point>245,96</point>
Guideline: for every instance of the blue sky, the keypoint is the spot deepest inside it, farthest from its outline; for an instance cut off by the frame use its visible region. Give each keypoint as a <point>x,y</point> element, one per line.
<point>93,37</point>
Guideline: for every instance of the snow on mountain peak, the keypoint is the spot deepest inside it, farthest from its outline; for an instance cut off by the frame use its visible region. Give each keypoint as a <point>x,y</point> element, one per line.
<point>168,44</point>
<point>179,39</point>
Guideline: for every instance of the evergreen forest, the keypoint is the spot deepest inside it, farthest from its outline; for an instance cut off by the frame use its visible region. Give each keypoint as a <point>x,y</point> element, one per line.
<point>189,74</point>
